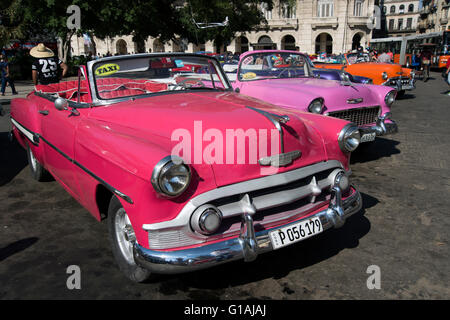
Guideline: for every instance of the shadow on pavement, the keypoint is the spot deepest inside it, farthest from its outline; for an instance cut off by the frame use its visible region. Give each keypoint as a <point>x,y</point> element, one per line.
<point>371,151</point>
<point>406,96</point>
<point>276,264</point>
<point>13,158</point>
<point>16,247</point>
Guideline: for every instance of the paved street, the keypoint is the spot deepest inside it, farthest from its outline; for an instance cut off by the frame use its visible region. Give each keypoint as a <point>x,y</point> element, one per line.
<point>403,229</point>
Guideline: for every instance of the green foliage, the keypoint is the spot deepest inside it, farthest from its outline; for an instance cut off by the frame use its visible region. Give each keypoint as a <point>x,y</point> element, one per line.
<point>243,16</point>
<point>163,19</point>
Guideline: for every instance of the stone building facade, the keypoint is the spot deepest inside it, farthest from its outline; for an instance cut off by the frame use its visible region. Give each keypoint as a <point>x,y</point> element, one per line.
<point>399,17</point>
<point>311,26</point>
<point>434,16</point>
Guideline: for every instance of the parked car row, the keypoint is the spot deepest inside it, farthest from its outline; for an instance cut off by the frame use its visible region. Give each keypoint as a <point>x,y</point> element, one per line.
<point>194,164</point>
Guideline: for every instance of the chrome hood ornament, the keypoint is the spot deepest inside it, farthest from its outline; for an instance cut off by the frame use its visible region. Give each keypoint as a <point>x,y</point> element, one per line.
<point>276,120</point>
<point>280,160</point>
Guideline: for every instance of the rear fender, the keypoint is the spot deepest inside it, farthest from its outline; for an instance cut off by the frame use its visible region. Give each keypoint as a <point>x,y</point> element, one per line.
<point>26,124</point>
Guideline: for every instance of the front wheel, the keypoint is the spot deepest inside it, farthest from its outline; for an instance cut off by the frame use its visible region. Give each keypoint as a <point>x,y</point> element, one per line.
<point>122,237</point>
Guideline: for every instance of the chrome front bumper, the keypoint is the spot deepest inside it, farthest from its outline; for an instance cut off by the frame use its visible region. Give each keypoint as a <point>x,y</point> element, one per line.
<point>400,85</point>
<point>381,128</point>
<point>247,246</point>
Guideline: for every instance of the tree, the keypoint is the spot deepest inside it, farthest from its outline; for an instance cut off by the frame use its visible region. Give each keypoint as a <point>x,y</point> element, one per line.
<point>162,19</point>
<point>243,16</point>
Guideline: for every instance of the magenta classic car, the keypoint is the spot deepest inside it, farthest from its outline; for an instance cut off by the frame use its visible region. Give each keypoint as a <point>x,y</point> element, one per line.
<point>285,78</point>
<point>188,173</point>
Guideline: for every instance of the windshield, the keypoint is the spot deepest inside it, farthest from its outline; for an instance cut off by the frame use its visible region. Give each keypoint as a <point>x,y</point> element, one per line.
<point>274,65</point>
<point>139,75</point>
<point>358,58</point>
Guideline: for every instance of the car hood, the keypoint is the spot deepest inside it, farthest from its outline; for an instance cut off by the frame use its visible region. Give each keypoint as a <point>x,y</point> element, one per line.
<point>198,126</point>
<point>392,69</point>
<point>298,93</point>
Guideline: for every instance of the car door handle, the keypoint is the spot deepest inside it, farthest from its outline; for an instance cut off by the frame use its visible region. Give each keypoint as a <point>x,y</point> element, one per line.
<point>44,112</point>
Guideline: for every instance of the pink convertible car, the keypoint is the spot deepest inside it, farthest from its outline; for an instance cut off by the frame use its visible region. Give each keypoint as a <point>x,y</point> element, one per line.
<point>285,78</point>
<point>188,173</point>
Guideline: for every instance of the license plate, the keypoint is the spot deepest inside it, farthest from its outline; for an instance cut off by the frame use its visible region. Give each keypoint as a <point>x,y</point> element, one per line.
<point>295,233</point>
<point>368,137</point>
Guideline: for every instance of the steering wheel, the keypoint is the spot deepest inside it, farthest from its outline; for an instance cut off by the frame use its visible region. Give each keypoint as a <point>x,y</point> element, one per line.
<point>289,72</point>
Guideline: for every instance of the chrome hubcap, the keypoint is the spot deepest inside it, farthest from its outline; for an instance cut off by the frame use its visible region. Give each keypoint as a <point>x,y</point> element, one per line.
<point>33,160</point>
<point>125,235</point>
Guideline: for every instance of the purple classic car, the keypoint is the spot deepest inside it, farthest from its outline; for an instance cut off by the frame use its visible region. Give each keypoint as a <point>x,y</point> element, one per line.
<point>328,74</point>
<point>285,78</point>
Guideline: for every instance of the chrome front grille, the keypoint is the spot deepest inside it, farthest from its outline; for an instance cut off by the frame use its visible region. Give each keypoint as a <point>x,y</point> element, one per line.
<point>359,116</point>
<point>278,199</point>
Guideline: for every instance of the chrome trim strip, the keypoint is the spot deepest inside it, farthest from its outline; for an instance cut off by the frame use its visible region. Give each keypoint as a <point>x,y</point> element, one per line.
<point>30,135</point>
<point>247,246</point>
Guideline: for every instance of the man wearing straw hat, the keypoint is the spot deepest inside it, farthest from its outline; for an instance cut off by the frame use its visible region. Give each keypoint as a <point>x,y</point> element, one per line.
<point>46,67</point>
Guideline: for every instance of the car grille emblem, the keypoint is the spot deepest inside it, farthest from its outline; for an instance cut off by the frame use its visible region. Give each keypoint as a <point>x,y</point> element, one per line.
<point>280,160</point>
<point>355,101</point>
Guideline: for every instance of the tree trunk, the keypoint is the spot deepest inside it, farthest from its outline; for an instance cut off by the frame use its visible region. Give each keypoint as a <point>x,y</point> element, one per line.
<point>66,46</point>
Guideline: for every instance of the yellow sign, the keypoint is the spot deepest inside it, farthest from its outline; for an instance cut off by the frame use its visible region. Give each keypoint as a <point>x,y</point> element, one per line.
<point>249,75</point>
<point>107,69</point>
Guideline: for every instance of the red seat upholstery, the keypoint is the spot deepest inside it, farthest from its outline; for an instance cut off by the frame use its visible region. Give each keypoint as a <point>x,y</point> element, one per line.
<point>108,88</point>
<point>67,90</point>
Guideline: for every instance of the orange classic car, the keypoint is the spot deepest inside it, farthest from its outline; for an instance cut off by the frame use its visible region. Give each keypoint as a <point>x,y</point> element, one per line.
<point>387,74</point>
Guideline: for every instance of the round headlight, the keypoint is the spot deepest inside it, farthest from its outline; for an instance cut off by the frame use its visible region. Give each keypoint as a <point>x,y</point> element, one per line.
<point>316,106</point>
<point>349,138</point>
<point>171,176</point>
<point>384,75</point>
<point>390,98</point>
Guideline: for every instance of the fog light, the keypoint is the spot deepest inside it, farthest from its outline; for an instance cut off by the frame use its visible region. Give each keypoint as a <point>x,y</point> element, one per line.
<point>206,219</point>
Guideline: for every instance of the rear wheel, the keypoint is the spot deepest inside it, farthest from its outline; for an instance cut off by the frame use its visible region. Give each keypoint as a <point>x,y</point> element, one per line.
<point>122,237</point>
<point>38,172</point>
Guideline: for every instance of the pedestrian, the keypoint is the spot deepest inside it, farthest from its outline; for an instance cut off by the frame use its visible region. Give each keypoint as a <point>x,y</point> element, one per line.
<point>425,57</point>
<point>46,67</point>
<point>6,79</point>
<point>391,55</point>
<point>415,63</point>
<point>448,74</point>
<point>384,57</point>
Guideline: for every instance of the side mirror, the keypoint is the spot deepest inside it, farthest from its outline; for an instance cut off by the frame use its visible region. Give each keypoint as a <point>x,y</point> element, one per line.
<point>61,104</point>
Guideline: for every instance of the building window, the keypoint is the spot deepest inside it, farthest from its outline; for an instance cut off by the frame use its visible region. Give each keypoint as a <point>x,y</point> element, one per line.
<point>288,10</point>
<point>325,8</point>
<point>409,23</point>
<point>384,9</point>
<point>411,8</point>
<point>358,9</point>
<point>266,12</point>
<point>391,24</point>
<point>401,9</point>
<point>392,9</point>
<point>400,24</point>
